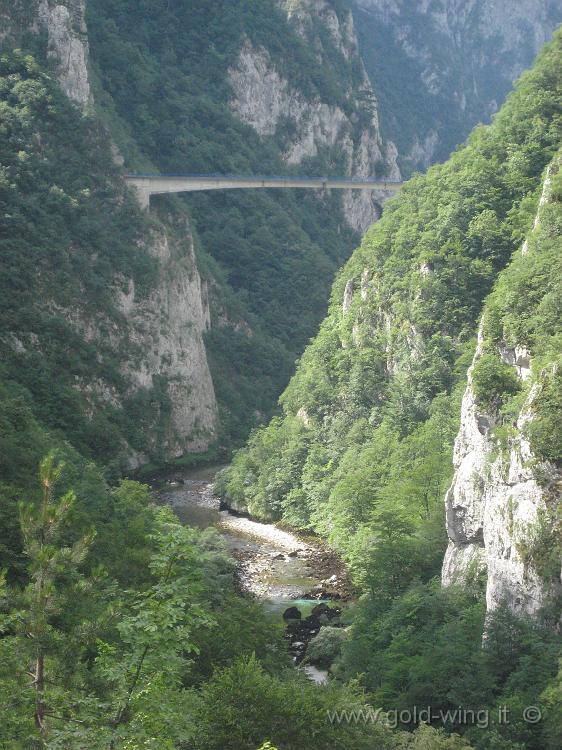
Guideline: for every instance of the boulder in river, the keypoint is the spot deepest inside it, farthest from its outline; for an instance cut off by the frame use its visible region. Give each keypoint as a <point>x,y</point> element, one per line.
<point>321,609</point>
<point>292,613</point>
<point>280,556</point>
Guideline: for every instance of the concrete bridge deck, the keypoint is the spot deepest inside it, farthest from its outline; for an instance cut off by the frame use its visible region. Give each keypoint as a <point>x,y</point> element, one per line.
<point>153,184</point>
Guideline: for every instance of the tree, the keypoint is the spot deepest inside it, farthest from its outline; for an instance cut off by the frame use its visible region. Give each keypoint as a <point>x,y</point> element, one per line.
<point>50,558</point>
<point>428,738</point>
<point>144,668</point>
<point>551,699</point>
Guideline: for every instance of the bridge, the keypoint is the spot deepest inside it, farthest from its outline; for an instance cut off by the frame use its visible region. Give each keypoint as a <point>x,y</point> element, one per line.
<point>160,184</point>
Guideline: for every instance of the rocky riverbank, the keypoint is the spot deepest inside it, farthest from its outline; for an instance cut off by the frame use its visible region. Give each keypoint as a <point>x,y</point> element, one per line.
<point>328,577</point>
<point>297,577</point>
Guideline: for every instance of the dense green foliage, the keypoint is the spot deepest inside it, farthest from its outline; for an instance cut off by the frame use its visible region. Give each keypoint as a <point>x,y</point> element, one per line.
<point>362,454</point>
<point>109,640</point>
<point>127,633</point>
<point>545,431</point>
<point>371,414</point>
<point>123,626</point>
<point>493,382</point>
<point>325,647</point>
<point>426,649</point>
<point>57,179</point>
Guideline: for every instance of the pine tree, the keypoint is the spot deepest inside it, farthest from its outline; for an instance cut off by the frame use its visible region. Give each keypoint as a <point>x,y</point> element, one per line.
<point>49,559</point>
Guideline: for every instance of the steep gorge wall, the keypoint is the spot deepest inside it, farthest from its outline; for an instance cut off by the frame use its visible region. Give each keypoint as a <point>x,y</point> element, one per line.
<point>68,46</point>
<point>264,99</point>
<point>64,26</point>
<point>442,67</point>
<point>157,338</point>
<point>270,246</point>
<point>167,330</point>
<point>365,442</point>
<point>503,507</point>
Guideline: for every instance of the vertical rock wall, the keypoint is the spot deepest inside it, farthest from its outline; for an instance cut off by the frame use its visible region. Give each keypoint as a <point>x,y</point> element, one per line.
<point>159,340</point>
<point>264,99</point>
<point>68,46</point>
<point>502,497</point>
<point>167,330</point>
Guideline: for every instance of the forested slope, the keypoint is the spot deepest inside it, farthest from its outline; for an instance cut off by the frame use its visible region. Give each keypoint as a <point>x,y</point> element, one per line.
<point>165,86</point>
<point>363,454</point>
<point>414,640</point>
<point>369,419</point>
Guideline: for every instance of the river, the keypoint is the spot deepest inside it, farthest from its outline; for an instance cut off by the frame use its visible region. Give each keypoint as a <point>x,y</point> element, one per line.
<point>274,565</point>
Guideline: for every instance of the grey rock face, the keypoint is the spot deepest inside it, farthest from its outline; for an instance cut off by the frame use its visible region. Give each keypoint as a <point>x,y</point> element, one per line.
<point>492,507</point>
<point>160,337</point>
<point>464,55</point>
<point>167,328</point>
<point>68,46</point>
<point>498,498</point>
<point>348,296</point>
<point>265,100</point>
<point>67,39</point>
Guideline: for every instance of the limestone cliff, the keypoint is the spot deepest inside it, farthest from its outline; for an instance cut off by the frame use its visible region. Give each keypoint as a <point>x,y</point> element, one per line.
<point>504,501</point>
<point>64,26</point>
<point>158,340</point>
<point>308,124</point>
<point>445,66</point>
<point>68,46</point>
<point>167,330</point>
<point>155,337</point>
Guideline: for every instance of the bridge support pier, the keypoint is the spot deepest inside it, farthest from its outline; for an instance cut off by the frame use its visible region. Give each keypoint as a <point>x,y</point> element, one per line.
<point>143,197</point>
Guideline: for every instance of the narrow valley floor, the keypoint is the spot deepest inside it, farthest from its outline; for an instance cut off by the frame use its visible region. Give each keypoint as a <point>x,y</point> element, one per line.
<point>283,570</point>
